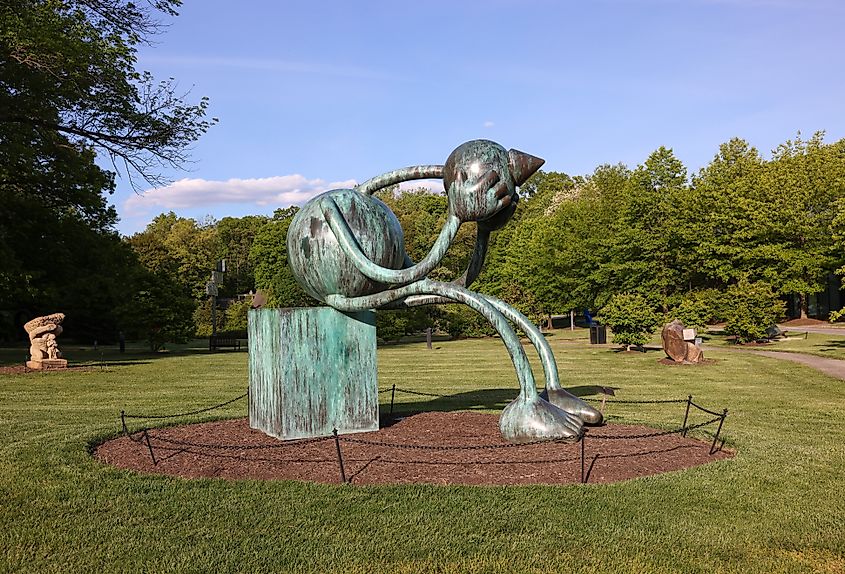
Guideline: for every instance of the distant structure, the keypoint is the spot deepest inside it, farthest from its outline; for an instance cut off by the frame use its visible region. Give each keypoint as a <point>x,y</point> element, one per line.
<point>43,349</point>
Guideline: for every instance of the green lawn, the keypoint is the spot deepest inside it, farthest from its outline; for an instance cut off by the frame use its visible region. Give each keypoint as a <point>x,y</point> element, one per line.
<point>796,341</point>
<point>777,507</point>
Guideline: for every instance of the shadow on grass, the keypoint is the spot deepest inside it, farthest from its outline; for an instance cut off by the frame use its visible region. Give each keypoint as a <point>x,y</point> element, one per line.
<point>482,400</point>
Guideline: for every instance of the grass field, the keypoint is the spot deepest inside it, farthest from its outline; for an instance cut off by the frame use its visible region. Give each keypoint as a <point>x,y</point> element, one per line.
<point>797,341</point>
<point>779,506</point>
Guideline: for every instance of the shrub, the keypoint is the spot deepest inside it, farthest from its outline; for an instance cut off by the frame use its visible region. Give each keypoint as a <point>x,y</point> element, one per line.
<point>751,308</point>
<point>630,318</point>
<point>700,308</point>
<point>461,321</point>
<point>393,325</point>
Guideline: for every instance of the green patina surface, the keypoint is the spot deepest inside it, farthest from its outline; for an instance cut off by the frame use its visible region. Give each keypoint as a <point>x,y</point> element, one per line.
<point>312,370</point>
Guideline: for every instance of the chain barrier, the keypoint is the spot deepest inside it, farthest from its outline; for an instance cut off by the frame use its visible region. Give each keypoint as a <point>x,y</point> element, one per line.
<point>298,442</point>
<point>145,437</point>
<point>659,401</point>
<point>634,402</point>
<point>656,433</point>
<point>458,447</point>
<point>205,410</point>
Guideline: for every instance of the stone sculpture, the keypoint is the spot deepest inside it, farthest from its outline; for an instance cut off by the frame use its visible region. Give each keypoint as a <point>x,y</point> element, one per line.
<point>43,349</point>
<point>679,347</point>
<point>345,248</point>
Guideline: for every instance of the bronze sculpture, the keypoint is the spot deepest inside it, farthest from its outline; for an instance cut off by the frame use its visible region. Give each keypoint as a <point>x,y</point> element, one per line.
<point>345,248</point>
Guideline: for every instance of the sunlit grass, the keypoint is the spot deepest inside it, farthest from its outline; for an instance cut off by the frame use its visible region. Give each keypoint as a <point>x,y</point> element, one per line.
<point>776,507</point>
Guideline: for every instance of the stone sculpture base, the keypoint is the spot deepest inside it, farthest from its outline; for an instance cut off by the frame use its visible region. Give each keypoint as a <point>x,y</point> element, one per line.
<point>45,364</point>
<point>312,370</point>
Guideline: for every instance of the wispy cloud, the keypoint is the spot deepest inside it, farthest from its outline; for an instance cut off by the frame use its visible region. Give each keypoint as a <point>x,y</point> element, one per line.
<point>268,65</point>
<point>489,124</point>
<point>282,190</point>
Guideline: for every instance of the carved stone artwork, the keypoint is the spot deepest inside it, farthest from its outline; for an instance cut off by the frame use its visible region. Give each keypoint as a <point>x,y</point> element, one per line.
<point>678,347</point>
<point>43,349</point>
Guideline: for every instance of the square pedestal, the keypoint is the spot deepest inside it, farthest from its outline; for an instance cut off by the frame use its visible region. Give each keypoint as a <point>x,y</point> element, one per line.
<point>312,370</point>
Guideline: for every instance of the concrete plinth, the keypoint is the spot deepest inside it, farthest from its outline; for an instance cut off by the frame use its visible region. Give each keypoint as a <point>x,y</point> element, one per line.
<point>45,364</point>
<point>312,370</point>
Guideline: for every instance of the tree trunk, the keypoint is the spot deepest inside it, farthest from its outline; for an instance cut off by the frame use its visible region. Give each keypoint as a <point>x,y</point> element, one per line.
<point>804,304</point>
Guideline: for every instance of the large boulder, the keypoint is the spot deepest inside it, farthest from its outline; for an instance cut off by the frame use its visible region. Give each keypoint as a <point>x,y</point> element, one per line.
<point>676,347</point>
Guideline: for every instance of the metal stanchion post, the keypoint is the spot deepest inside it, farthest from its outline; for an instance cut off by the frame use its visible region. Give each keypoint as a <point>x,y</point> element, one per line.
<point>686,415</point>
<point>339,456</point>
<point>718,430</point>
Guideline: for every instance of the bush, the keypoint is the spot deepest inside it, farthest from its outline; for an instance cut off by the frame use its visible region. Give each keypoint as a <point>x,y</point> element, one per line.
<point>700,308</point>
<point>750,309</point>
<point>202,319</point>
<point>393,325</point>
<point>461,321</point>
<point>236,315</point>
<point>630,318</point>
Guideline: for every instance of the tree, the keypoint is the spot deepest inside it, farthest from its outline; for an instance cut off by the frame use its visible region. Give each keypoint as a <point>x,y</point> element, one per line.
<point>646,235</point>
<point>69,83</point>
<point>68,91</point>
<point>269,258</point>
<point>630,318</point>
<point>750,309</point>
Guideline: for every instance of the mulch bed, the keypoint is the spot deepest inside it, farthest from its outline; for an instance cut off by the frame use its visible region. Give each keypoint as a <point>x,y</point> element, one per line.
<point>230,449</point>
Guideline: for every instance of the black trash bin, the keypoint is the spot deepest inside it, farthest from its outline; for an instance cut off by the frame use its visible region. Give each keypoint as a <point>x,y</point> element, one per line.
<point>598,334</point>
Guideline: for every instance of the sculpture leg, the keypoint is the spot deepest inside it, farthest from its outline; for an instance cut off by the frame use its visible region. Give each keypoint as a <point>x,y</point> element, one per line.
<point>554,393</point>
<point>526,418</point>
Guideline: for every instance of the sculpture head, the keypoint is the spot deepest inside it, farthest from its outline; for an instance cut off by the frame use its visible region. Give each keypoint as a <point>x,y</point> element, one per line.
<point>468,164</point>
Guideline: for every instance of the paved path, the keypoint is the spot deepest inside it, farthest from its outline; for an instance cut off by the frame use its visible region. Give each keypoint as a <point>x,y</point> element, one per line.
<point>815,329</point>
<point>833,367</point>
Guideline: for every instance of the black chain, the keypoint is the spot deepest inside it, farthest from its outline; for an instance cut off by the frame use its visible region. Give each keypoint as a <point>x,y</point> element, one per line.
<point>633,402</point>
<point>656,433</point>
<point>186,414</point>
<point>461,447</point>
<point>284,444</point>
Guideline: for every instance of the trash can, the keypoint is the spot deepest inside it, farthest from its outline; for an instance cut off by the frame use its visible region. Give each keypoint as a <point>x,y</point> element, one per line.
<point>598,334</point>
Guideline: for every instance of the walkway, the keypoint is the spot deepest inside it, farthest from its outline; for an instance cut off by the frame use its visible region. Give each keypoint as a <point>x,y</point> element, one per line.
<point>833,367</point>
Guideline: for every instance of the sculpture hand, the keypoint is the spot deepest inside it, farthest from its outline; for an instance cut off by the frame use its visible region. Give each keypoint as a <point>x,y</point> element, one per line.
<point>501,217</point>
<point>475,198</point>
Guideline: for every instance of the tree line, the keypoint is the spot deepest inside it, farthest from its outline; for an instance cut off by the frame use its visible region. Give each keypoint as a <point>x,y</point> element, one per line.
<point>743,229</point>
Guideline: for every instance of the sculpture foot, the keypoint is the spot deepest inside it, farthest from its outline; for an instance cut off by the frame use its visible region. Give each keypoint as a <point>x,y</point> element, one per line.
<point>526,420</point>
<point>573,405</point>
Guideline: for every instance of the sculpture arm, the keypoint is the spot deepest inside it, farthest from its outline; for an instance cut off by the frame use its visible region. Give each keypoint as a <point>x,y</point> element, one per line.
<point>352,249</point>
<point>371,186</point>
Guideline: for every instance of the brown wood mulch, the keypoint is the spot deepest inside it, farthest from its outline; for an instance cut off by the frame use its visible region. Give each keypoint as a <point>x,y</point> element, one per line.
<point>230,449</point>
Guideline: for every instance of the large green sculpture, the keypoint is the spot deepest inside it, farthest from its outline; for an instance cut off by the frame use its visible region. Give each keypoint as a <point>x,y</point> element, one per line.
<point>345,248</point>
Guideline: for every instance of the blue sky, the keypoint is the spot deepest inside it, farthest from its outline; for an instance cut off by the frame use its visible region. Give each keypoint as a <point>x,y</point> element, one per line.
<point>317,95</point>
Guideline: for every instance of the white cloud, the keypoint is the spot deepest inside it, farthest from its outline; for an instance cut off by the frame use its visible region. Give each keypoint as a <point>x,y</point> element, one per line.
<point>430,185</point>
<point>281,190</point>
<point>489,124</point>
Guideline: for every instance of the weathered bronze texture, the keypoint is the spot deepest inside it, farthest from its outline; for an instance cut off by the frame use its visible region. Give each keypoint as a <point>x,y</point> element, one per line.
<point>345,248</point>
<point>312,370</point>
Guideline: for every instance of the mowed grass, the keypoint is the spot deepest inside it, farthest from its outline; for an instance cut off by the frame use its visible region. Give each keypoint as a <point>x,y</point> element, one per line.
<point>778,506</point>
<point>795,341</point>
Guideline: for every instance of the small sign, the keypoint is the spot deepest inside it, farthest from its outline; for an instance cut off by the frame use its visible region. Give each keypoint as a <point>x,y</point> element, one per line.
<point>217,276</point>
<point>211,288</point>
<point>689,334</point>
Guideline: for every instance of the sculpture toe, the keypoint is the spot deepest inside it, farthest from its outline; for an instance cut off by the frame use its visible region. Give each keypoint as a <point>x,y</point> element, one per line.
<point>573,405</point>
<point>526,420</point>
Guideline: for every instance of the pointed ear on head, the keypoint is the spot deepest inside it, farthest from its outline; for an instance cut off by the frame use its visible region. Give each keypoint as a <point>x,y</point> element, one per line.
<point>523,165</point>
